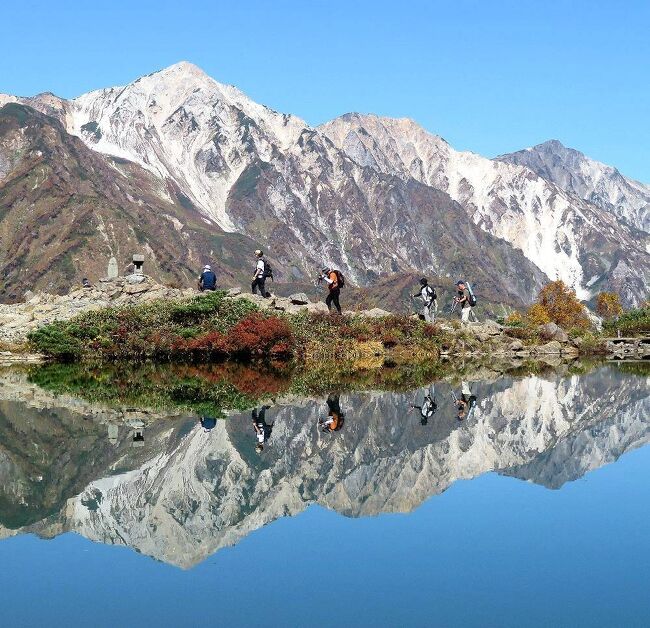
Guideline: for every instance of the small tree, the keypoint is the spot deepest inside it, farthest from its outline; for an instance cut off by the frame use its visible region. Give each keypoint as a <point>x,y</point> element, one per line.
<point>559,304</point>
<point>608,305</point>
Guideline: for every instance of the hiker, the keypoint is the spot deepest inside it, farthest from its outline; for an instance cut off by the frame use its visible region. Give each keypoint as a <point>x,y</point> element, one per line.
<point>335,417</point>
<point>466,403</point>
<point>207,279</point>
<point>262,272</point>
<point>85,283</point>
<point>208,423</point>
<point>262,428</point>
<point>428,407</point>
<point>335,281</point>
<point>465,300</point>
<point>429,299</point>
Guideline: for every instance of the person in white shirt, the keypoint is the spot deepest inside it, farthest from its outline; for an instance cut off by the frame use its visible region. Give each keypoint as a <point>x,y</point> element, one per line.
<point>259,276</point>
<point>429,299</point>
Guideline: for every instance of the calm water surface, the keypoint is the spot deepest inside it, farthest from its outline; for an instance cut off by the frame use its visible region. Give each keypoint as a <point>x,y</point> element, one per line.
<point>531,509</point>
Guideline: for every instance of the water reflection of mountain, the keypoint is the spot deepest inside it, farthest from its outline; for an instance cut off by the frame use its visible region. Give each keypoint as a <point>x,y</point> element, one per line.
<point>187,492</point>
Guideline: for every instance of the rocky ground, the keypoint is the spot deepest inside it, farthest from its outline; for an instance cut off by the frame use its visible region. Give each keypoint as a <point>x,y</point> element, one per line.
<point>17,320</point>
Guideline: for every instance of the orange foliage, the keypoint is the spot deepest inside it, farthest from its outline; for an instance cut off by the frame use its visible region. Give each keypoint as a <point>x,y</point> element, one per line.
<point>608,305</point>
<point>559,304</point>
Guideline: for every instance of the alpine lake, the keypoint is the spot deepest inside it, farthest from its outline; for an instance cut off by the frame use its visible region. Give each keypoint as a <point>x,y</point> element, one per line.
<point>203,495</point>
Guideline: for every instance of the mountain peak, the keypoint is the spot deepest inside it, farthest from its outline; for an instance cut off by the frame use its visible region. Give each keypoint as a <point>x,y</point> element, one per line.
<point>182,68</point>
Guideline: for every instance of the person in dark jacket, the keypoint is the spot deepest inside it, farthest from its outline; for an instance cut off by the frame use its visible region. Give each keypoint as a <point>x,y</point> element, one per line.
<point>207,279</point>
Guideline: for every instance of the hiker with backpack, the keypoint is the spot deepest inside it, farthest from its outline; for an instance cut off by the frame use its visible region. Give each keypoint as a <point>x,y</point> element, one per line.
<point>262,428</point>
<point>429,299</point>
<point>465,300</point>
<point>207,279</point>
<point>428,407</point>
<point>335,281</point>
<point>262,273</point>
<point>335,417</point>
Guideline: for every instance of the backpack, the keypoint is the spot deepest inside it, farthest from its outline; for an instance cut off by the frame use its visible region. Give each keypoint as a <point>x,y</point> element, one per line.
<point>431,293</point>
<point>472,297</point>
<point>339,424</point>
<point>268,271</point>
<point>340,279</point>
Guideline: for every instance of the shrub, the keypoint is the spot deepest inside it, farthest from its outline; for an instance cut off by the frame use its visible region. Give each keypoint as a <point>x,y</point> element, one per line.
<point>513,320</point>
<point>558,303</point>
<point>608,305</point>
<point>636,321</point>
<point>256,335</point>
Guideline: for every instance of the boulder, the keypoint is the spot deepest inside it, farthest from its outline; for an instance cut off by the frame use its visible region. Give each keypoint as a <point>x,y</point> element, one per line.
<point>551,331</point>
<point>300,298</point>
<point>553,347</point>
<point>136,279</point>
<point>375,312</point>
<point>135,288</point>
<point>233,292</point>
<point>316,308</point>
<point>282,304</point>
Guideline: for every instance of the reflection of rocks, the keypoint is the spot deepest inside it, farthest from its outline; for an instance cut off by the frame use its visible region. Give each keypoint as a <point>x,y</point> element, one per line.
<point>187,492</point>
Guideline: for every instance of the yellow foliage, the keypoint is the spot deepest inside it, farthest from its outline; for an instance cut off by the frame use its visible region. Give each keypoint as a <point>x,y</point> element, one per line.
<point>513,319</point>
<point>608,305</point>
<point>537,315</point>
<point>558,303</point>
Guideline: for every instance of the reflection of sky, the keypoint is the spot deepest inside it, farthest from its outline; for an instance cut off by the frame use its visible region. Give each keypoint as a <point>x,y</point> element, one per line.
<point>493,551</point>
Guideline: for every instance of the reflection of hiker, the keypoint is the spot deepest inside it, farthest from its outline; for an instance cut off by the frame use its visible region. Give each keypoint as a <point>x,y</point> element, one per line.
<point>262,428</point>
<point>208,423</point>
<point>428,407</point>
<point>262,272</point>
<point>335,281</point>
<point>466,403</point>
<point>335,417</point>
<point>465,300</point>
<point>429,299</point>
<point>207,279</point>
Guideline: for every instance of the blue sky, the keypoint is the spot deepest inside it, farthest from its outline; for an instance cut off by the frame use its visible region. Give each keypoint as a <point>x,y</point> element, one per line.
<point>488,76</point>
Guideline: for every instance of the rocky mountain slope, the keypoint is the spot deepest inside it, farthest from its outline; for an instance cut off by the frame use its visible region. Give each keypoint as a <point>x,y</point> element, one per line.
<point>592,181</point>
<point>563,235</point>
<point>66,209</point>
<point>372,196</point>
<point>187,492</point>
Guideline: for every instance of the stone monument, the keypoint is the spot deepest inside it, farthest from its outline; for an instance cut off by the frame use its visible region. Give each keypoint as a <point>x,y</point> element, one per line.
<point>112,272</point>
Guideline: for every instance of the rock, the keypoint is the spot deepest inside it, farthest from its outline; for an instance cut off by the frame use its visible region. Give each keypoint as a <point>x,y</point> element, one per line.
<point>551,331</point>
<point>516,346</point>
<point>282,304</point>
<point>316,308</point>
<point>375,312</point>
<point>233,292</point>
<point>136,279</point>
<point>300,298</point>
<point>136,288</point>
<point>552,347</point>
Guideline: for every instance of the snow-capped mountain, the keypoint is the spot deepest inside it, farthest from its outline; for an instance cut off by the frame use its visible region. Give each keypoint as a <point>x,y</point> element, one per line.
<point>591,180</point>
<point>371,195</point>
<point>567,238</point>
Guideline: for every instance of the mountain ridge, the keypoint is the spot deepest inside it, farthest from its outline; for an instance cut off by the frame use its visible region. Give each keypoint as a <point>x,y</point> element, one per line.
<point>344,193</point>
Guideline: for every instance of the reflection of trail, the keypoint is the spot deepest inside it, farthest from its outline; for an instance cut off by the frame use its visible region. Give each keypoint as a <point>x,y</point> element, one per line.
<point>202,491</point>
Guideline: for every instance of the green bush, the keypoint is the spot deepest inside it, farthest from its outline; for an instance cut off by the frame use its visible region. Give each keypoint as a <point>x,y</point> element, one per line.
<point>633,322</point>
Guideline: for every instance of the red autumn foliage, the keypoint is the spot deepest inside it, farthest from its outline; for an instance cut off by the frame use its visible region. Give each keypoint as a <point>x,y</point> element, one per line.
<point>256,335</point>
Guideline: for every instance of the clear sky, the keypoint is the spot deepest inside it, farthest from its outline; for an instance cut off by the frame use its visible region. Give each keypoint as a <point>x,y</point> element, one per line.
<point>489,76</point>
